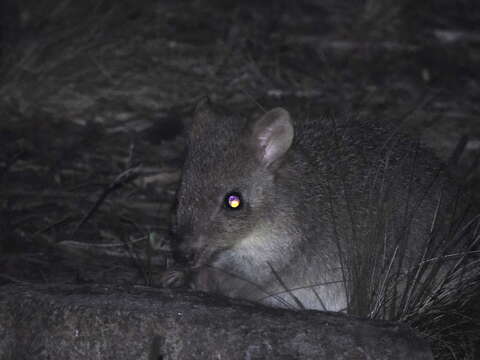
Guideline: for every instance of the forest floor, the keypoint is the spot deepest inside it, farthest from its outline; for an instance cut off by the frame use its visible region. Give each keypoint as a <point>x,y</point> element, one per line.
<point>93,100</point>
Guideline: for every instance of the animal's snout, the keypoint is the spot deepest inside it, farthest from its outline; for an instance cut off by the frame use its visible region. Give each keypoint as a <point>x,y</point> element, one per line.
<point>183,256</point>
<point>186,249</point>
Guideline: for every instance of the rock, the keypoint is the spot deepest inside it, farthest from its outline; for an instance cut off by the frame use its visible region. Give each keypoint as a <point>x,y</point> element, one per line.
<point>132,322</point>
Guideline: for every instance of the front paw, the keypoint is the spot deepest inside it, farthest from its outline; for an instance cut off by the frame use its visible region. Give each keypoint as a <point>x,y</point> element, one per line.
<point>174,279</point>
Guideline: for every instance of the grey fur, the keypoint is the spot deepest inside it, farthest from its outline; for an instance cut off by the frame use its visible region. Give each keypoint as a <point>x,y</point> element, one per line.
<point>348,205</point>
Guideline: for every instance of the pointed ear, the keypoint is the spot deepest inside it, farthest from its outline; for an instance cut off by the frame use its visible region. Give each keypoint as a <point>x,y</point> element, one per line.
<point>203,114</point>
<point>272,135</point>
<point>204,108</point>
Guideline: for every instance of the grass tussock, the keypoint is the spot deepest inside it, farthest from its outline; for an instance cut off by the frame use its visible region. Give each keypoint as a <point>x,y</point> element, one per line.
<point>91,89</point>
<point>397,269</point>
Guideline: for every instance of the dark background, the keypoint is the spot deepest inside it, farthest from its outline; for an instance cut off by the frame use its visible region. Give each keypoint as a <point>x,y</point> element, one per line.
<point>94,95</point>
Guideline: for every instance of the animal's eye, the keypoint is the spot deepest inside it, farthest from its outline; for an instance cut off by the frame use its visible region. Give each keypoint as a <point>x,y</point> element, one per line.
<point>233,201</point>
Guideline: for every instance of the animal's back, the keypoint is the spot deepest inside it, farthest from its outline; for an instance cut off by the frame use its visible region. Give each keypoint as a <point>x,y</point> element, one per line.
<point>383,204</point>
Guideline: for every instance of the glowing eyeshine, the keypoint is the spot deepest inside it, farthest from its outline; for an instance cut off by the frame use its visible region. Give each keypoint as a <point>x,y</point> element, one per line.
<point>233,201</point>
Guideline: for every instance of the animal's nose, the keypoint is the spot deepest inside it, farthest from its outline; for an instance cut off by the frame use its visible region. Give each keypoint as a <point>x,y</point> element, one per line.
<point>183,249</point>
<point>183,255</point>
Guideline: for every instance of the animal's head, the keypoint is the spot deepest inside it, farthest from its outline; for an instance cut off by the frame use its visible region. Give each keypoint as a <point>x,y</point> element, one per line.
<point>228,186</point>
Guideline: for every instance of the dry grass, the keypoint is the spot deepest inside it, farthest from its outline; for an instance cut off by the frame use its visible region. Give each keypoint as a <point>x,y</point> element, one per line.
<point>90,89</point>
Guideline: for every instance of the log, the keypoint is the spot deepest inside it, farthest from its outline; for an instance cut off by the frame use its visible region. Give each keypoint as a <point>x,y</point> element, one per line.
<point>134,322</point>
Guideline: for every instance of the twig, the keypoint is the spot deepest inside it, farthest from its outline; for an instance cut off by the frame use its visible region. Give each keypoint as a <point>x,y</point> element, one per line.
<point>123,178</point>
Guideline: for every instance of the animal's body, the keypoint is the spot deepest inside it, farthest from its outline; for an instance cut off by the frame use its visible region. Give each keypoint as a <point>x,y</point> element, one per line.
<point>324,213</point>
